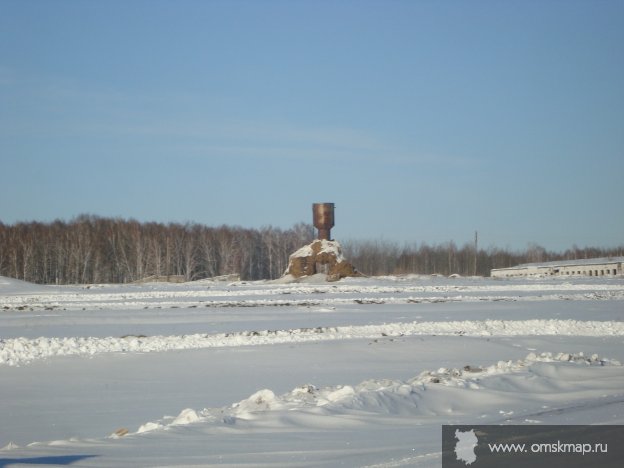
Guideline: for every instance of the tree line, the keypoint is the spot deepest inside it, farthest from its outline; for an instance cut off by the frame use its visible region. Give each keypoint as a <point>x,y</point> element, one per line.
<point>386,258</point>
<point>91,249</point>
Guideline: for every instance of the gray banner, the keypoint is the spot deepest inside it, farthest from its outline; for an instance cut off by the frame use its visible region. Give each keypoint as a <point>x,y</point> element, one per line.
<point>536,446</point>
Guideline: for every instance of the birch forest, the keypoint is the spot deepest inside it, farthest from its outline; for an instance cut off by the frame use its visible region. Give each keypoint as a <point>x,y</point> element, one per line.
<point>91,250</point>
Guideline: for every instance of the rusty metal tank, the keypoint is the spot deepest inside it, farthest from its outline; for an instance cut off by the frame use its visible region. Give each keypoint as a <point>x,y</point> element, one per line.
<point>323,216</point>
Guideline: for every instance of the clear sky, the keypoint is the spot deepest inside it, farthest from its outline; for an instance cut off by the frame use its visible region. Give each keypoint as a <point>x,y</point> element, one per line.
<point>423,121</point>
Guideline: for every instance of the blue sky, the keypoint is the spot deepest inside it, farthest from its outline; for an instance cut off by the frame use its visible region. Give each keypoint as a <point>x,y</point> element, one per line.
<point>423,121</point>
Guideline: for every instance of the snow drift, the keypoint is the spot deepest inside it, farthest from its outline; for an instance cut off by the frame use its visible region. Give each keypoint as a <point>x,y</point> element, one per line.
<point>17,351</point>
<point>560,379</point>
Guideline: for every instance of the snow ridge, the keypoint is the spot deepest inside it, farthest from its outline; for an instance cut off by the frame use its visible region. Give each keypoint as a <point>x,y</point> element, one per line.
<point>413,397</point>
<point>16,351</point>
<point>262,294</point>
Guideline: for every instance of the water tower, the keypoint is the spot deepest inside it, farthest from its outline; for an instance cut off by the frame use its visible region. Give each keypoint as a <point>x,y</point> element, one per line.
<point>323,216</point>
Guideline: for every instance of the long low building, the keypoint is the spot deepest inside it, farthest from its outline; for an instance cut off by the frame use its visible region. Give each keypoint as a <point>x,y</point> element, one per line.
<point>611,266</point>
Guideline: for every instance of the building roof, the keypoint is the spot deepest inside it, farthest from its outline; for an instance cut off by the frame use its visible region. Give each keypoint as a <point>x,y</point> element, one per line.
<point>561,263</point>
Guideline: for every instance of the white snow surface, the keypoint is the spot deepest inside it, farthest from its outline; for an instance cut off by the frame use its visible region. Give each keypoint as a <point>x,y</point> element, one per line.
<point>363,372</point>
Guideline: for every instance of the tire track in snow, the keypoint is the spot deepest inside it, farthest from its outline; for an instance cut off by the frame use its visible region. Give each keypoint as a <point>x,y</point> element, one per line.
<point>16,351</point>
<point>131,303</point>
<point>260,294</point>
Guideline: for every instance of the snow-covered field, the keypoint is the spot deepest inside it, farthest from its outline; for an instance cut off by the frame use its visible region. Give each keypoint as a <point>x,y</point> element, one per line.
<point>362,372</point>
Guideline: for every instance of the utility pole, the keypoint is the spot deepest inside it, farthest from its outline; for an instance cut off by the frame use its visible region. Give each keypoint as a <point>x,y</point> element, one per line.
<point>476,249</point>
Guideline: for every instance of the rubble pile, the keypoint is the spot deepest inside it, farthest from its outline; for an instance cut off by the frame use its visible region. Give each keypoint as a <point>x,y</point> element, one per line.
<point>320,257</point>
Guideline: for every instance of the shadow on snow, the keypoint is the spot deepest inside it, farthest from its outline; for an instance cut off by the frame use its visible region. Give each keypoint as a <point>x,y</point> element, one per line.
<point>51,460</point>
